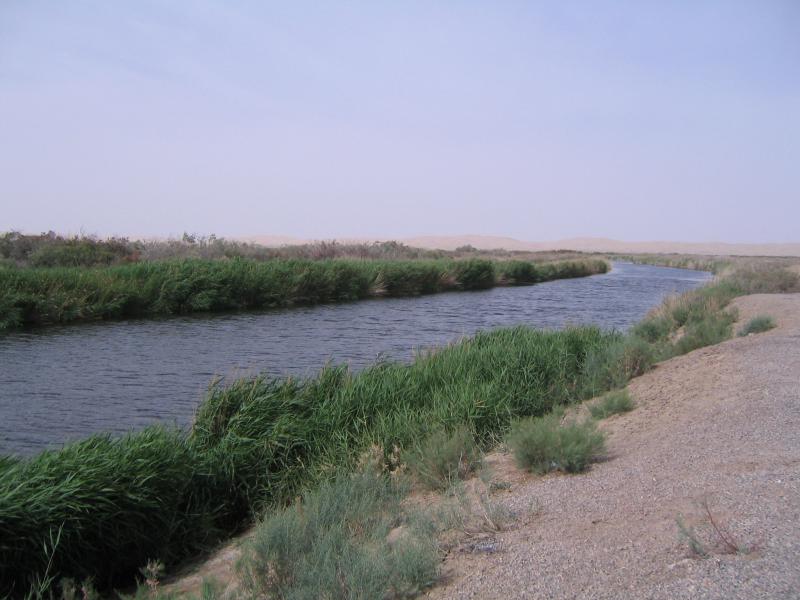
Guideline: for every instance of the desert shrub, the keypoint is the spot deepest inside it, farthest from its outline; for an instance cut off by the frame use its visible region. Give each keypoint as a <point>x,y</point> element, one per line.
<point>758,324</point>
<point>51,250</point>
<point>336,543</point>
<point>610,366</point>
<point>615,402</point>
<point>762,279</point>
<point>714,328</point>
<point>655,328</point>
<point>543,444</point>
<point>444,457</point>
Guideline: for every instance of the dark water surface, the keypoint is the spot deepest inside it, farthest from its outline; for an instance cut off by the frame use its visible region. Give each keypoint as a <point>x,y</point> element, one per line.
<point>65,382</point>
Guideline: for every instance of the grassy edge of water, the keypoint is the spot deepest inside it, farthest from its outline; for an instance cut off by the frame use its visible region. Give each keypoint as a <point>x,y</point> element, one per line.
<point>47,295</point>
<point>108,506</point>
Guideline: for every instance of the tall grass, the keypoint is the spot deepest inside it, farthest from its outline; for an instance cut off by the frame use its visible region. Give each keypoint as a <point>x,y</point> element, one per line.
<point>60,295</point>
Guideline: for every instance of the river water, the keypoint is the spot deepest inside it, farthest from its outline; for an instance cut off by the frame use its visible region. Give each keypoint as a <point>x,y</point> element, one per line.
<point>66,382</point>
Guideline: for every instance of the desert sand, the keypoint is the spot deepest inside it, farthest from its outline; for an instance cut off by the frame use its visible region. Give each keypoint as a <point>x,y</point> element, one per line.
<point>588,244</point>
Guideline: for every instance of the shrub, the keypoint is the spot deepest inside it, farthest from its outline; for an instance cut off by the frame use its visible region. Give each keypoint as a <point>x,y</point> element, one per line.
<point>763,279</point>
<point>543,444</point>
<point>336,543</point>
<point>758,324</point>
<point>610,366</point>
<point>443,458</point>
<point>615,402</point>
<point>714,328</point>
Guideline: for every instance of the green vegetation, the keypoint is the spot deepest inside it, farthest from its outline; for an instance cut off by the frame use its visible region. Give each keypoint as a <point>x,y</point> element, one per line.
<point>61,295</point>
<point>53,250</point>
<point>110,504</point>
<point>105,507</point>
<point>696,262</point>
<point>544,444</point>
<point>156,494</point>
<point>618,401</point>
<point>338,543</point>
<point>444,458</point>
<point>699,318</point>
<point>758,324</point>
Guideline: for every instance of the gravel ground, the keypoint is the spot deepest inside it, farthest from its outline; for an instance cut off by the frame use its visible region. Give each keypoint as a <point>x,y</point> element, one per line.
<point>717,426</point>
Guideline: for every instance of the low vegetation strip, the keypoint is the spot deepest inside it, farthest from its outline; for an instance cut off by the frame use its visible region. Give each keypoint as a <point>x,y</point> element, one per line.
<point>32,296</point>
<point>105,507</point>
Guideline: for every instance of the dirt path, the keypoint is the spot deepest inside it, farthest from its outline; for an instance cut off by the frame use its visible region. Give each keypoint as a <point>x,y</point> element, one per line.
<point>721,425</point>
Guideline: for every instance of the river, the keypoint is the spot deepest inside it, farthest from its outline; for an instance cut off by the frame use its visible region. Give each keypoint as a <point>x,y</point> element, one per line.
<point>64,382</point>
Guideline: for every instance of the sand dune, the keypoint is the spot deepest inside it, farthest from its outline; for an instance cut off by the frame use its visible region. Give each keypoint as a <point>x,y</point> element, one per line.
<point>587,244</point>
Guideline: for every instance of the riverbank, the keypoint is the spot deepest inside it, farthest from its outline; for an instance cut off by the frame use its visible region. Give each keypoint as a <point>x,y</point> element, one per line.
<point>40,296</point>
<point>615,529</point>
<point>260,441</point>
<point>715,428</point>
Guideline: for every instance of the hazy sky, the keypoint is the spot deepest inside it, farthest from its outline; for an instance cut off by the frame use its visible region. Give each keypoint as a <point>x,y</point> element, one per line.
<point>539,120</point>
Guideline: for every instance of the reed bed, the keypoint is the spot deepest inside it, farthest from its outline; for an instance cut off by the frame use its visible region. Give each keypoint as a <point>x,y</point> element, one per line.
<point>36,296</point>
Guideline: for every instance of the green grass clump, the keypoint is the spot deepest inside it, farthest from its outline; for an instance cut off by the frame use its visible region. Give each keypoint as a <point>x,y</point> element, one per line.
<point>336,543</point>
<point>758,324</point>
<point>618,401</point>
<point>613,365</point>
<point>544,444</point>
<point>444,458</point>
<point>110,503</point>
<point>32,296</point>
<point>712,329</point>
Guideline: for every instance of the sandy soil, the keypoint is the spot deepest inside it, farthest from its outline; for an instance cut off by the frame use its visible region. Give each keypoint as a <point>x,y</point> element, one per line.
<point>717,426</point>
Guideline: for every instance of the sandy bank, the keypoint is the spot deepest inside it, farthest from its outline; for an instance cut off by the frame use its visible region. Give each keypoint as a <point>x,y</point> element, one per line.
<point>718,425</point>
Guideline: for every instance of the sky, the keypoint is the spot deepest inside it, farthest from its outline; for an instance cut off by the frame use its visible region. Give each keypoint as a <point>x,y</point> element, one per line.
<point>635,120</point>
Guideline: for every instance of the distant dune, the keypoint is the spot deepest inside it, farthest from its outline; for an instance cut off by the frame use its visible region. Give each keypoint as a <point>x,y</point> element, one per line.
<point>486,242</point>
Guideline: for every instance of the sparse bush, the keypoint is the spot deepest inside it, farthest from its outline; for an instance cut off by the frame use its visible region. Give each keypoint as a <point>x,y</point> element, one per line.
<point>618,401</point>
<point>336,543</point>
<point>762,279</point>
<point>758,324</point>
<point>613,365</point>
<point>443,458</point>
<point>543,444</point>
<point>710,535</point>
<point>714,328</point>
